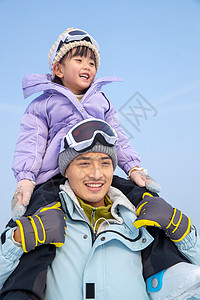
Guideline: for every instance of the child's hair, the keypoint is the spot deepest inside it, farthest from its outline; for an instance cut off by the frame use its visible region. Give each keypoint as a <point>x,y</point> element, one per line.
<point>80,51</point>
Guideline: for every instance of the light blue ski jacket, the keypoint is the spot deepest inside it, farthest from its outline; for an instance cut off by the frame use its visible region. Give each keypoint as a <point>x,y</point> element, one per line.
<point>107,265</point>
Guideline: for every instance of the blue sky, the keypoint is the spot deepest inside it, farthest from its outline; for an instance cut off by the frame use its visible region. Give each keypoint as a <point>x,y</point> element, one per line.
<point>153,45</point>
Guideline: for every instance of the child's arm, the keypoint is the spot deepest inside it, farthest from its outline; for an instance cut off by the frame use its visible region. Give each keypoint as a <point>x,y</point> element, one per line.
<point>29,152</point>
<point>128,158</point>
<point>31,143</point>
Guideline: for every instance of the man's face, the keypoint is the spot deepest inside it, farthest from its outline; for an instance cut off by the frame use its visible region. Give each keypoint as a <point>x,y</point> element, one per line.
<point>90,176</point>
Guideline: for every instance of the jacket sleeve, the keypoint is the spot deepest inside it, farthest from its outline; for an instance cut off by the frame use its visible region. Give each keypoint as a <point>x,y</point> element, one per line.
<point>190,246</point>
<point>10,255</point>
<point>31,143</point>
<point>127,156</point>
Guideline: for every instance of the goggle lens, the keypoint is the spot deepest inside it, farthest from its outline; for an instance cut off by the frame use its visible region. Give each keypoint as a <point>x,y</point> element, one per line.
<point>86,131</point>
<point>77,32</point>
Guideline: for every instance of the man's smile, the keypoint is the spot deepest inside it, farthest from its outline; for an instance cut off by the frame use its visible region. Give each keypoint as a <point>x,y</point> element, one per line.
<point>94,186</point>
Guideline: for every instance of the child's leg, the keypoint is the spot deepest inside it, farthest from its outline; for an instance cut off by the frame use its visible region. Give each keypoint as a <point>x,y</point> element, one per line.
<point>129,188</point>
<point>29,277</point>
<point>161,254</point>
<point>18,295</point>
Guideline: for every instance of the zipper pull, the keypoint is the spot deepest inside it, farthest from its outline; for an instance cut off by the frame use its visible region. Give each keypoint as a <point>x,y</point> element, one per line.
<point>92,217</point>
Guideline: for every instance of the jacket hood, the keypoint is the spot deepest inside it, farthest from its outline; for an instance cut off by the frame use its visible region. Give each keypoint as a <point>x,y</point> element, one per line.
<point>34,83</point>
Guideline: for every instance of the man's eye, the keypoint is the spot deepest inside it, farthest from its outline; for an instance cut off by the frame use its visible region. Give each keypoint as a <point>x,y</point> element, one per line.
<point>84,163</point>
<point>106,163</point>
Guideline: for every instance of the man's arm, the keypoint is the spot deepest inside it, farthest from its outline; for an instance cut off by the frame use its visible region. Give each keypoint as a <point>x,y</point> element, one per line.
<point>10,254</point>
<point>17,235</point>
<point>46,226</point>
<point>190,246</point>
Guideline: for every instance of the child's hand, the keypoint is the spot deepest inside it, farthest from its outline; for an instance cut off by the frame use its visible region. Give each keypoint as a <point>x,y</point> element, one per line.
<point>138,178</point>
<point>141,178</point>
<point>21,198</point>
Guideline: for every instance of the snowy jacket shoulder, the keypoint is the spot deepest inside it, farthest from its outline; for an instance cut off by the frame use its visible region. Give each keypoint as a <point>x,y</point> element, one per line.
<point>50,116</point>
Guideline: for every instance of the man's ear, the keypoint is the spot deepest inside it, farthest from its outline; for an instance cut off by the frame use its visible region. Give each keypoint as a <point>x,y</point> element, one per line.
<point>66,174</point>
<point>57,68</point>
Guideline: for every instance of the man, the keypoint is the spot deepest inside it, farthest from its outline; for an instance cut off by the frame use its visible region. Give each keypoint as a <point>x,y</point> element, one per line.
<point>100,257</point>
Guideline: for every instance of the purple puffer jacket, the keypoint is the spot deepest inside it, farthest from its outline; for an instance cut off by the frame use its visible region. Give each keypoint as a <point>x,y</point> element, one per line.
<point>50,116</point>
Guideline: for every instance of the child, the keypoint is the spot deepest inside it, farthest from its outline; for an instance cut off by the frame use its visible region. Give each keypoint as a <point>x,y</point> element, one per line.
<point>70,95</point>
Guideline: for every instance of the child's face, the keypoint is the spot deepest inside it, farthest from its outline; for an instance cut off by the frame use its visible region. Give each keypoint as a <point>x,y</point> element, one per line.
<point>76,72</point>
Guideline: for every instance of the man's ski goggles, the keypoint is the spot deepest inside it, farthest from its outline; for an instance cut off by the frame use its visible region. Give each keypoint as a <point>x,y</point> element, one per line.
<point>84,136</point>
<point>77,35</point>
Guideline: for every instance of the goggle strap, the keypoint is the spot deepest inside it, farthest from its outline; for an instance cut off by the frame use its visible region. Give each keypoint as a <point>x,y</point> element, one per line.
<point>98,138</point>
<point>87,39</point>
<point>59,46</point>
<point>66,145</point>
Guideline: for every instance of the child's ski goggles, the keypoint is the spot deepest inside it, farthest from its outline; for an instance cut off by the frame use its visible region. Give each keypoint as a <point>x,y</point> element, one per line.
<point>84,136</point>
<point>77,35</point>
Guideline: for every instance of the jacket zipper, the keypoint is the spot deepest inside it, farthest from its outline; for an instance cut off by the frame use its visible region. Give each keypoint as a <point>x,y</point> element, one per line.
<point>93,234</point>
<point>65,209</point>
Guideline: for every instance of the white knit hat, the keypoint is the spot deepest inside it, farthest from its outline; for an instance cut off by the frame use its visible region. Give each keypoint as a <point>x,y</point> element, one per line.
<point>68,40</point>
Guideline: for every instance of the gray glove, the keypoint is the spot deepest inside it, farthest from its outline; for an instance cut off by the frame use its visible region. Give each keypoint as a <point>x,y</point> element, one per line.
<point>155,211</point>
<point>46,226</point>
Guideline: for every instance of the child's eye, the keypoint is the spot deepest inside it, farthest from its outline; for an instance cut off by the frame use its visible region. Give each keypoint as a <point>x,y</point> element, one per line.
<point>91,63</point>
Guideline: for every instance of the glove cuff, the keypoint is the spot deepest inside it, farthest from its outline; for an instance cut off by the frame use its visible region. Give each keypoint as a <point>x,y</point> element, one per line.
<point>27,234</point>
<point>178,227</point>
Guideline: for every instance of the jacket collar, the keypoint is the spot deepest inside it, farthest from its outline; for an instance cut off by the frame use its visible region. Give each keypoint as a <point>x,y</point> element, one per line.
<point>34,83</point>
<point>121,207</point>
<point>120,201</point>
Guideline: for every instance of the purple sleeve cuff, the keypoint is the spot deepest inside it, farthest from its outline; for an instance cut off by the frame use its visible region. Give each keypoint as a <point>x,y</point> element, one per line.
<point>25,175</point>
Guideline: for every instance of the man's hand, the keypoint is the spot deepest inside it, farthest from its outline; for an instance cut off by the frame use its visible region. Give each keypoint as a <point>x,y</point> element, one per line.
<point>46,226</point>
<point>141,178</point>
<point>154,211</point>
<point>21,198</point>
